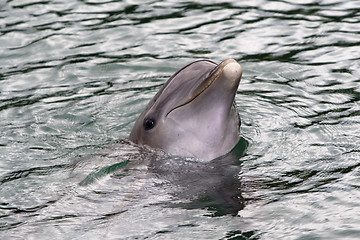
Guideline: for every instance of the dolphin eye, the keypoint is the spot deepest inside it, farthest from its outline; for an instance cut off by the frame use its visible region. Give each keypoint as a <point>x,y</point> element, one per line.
<point>149,123</point>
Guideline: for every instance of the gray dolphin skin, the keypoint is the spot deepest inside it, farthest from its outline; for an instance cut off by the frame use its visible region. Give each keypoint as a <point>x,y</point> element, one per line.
<point>194,114</point>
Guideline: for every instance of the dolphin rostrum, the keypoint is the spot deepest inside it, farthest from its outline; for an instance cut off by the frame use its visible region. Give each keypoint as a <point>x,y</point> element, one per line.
<point>194,114</point>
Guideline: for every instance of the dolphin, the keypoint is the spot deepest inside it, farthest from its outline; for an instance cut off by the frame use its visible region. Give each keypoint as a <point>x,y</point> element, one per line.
<point>194,114</point>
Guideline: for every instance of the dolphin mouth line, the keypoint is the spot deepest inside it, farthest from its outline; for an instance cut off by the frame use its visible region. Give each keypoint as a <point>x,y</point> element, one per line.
<point>209,80</point>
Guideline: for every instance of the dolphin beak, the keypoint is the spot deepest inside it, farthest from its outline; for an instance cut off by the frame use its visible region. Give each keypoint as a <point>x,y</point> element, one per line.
<point>232,71</point>
<point>225,76</point>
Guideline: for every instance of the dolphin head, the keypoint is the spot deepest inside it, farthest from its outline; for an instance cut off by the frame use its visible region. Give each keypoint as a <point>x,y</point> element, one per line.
<point>194,113</point>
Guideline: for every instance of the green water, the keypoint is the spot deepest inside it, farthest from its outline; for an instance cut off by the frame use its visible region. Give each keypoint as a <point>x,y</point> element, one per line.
<point>74,76</point>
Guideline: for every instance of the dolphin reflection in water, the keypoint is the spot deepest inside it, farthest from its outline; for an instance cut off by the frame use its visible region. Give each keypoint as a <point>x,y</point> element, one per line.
<point>194,114</point>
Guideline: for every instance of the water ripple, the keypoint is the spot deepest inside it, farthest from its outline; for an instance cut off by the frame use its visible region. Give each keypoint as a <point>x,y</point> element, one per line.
<point>74,76</point>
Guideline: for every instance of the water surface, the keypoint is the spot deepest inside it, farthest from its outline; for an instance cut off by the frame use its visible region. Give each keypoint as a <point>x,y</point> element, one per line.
<point>74,76</point>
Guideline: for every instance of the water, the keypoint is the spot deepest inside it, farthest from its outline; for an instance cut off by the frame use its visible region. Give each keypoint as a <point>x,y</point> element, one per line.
<point>74,75</point>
